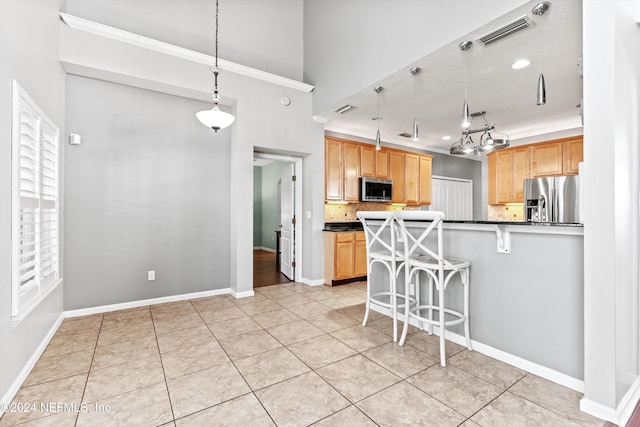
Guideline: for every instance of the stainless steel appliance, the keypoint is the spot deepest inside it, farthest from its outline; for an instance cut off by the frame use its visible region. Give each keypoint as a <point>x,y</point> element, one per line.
<point>375,189</point>
<point>552,199</point>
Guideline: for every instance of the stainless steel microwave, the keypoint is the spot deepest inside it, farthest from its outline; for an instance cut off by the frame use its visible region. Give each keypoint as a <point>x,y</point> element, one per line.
<point>375,190</point>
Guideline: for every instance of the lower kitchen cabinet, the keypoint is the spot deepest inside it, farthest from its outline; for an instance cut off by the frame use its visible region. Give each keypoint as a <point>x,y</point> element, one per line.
<point>345,256</point>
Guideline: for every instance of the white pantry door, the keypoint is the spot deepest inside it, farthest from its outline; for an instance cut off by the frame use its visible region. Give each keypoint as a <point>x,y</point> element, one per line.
<point>454,197</point>
<point>287,222</point>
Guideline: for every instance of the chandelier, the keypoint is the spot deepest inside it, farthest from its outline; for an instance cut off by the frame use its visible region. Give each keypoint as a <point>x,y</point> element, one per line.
<point>486,143</point>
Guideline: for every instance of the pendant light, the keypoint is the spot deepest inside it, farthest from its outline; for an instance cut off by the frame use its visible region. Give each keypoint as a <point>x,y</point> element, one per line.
<point>542,90</point>
<point>466,117</point>
<point>541,98</point>
<point>215,118</point>
<point>377,118</point>
<point>414,135</point>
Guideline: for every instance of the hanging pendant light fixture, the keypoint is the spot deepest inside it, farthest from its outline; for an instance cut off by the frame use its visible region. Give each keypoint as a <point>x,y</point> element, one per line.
<point>486,143</point>
<point>215,118</point>
<point>541,98</point>
<point>466,117</point>
<point>542,90</point>
<point>414,135</point>
<point>377,118</point>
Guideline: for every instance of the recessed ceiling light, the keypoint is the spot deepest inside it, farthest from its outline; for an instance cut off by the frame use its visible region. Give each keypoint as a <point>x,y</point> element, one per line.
<point>446,137</point>
<point>520,63</point>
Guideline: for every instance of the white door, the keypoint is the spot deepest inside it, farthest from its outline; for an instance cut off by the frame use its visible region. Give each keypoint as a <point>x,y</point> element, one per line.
<point>287,222</point>
<point>454,197</point>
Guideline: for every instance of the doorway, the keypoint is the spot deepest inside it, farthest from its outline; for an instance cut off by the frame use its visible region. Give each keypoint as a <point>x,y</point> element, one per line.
<point>277,206</point>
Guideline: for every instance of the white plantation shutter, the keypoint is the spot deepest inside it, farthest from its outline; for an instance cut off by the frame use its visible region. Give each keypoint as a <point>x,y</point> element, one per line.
<point>36,179</point>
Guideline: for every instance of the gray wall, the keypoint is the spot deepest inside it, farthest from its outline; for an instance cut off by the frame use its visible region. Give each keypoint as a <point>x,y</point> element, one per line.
<point>270,203</point>
<point>29,46</point>
<point>257,206</point>
<point>274,42</point>
<point>148,189</point>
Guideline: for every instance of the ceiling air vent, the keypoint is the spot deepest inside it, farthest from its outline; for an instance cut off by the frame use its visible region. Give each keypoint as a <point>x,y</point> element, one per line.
<point>506,30</point>
<point>405,134</point>
<point>344,108</point>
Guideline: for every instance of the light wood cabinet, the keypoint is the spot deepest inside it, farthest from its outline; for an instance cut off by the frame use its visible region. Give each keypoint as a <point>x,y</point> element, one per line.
<point>351,161</point>
<point>397,175</point>
<point>345,256</point>
<point>425,181</point>
<point>508,168</point>
<point>546,159</point>
<point>507,171</point>
<point>382,164</point>
<point>412,179</point>
<point>346,161</point>
<point>360,256</point>
<point>368,160</point>
<point>572,154</point>
<point>333,174</point>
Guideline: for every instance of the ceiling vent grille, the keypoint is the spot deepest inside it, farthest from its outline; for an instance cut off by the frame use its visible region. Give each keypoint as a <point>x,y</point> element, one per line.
<point>344,108</point>
<point>506,30</point>
<point>405,134</point>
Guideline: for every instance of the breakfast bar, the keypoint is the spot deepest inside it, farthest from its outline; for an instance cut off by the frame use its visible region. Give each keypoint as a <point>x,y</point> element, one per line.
<point>526,293</point>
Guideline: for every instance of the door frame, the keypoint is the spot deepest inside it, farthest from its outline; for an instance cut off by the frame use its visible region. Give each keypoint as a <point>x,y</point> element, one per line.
<point>297,162</point>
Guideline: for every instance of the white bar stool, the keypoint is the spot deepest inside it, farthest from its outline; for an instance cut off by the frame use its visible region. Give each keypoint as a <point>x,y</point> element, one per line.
<point>427,255</point>
<point>381,234</point>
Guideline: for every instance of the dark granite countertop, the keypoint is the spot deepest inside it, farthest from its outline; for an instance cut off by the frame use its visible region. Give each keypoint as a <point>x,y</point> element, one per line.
<point>357,226</point>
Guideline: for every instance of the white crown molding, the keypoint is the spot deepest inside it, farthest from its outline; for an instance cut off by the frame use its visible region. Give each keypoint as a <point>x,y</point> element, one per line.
<point>102,30</point>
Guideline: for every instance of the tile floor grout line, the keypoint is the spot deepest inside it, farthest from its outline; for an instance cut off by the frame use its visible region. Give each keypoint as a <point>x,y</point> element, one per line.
<point>164,374</point>
<point>95,349</point>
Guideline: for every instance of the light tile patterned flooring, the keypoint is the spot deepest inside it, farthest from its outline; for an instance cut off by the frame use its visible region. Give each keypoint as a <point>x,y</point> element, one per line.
<point>291,355</point>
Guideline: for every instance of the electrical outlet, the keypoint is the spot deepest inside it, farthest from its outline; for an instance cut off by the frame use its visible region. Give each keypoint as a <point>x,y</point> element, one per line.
<point>151,275</point>
<point>412,289</point>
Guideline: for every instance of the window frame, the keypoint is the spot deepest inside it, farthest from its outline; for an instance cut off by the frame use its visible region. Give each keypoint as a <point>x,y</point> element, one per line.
<point>44,136</point>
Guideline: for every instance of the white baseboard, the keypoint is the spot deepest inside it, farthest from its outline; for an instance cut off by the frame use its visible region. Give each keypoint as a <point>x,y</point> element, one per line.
<point>244,294</point>
<point>622,413</point>
<point>311,282</point>
<point>142,303</point>
<point>518,362</point>
<point>263,248</point>
<point>24,372</point>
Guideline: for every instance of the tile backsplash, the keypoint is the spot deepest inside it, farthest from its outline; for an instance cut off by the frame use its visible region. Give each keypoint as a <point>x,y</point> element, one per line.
<point>347,213</point>
<point>505,213</point>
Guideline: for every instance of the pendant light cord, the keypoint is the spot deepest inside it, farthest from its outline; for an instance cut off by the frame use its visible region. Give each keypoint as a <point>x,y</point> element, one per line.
<point>215,69</point>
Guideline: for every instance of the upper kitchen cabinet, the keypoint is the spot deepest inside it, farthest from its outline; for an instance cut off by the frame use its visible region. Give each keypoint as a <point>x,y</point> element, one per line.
<point>346,161</point>
<point>546,159</point>
<point>508,168</point>
<point>397,175</point>
<point>572,154</point>
<point>425,180</point>
<point>341,170</point>
<point>367,160</point>
<point>507,171</point>
<point>382,164</point>
<point>333,175</point>
<point>412,179</point>
<point>351,165</point>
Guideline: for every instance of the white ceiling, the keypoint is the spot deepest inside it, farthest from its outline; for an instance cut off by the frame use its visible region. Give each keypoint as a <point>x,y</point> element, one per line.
<point>508,96</point>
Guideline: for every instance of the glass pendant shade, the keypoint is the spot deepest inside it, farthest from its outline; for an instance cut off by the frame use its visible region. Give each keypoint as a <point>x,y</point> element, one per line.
<point>378,146</point>
<point>542,91</point>
<point>215,118</point>
<point>414,135</point>
<point>466,117</point>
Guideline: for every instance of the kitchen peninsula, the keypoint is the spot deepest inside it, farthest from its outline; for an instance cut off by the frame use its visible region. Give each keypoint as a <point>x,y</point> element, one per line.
<point>526,293</point>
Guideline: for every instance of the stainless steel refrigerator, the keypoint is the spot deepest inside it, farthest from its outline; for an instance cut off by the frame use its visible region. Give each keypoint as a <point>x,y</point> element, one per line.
<point>552,199</point>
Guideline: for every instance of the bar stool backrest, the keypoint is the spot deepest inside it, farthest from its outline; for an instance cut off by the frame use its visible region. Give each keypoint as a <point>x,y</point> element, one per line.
<point>418,243</point>
<point>380,232</point>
